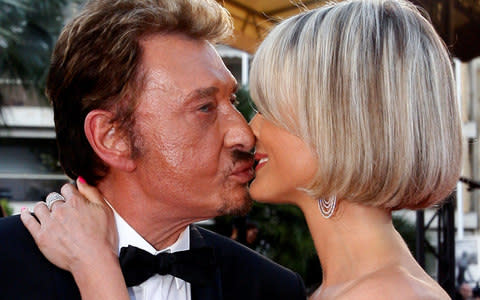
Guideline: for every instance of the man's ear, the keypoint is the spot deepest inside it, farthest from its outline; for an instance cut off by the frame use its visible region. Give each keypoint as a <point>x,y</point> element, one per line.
<point>108,142</point>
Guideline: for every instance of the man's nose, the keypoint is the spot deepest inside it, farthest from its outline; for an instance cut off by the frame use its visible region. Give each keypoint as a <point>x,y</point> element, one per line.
<point>238,135</point>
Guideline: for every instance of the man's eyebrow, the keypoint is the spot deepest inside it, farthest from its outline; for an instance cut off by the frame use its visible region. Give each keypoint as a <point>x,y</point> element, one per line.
<point>201,93</point>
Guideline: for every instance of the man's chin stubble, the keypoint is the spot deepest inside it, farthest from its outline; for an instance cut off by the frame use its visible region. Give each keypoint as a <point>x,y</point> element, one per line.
<point>235,207</point>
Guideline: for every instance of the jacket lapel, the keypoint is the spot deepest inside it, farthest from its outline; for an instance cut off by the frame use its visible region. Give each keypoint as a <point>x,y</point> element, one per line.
<point>210,292</point>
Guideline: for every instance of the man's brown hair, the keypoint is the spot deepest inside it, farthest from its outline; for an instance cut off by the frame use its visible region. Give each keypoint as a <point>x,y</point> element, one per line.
<point>95,65</point>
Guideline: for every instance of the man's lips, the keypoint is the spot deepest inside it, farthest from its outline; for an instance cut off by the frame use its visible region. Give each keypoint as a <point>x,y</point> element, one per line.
<point>261,160</point>
<point>243,171</point>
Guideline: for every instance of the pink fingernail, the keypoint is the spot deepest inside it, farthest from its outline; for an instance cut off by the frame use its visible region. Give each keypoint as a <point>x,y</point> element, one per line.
<point>23,208</point>
<point>81,180</point>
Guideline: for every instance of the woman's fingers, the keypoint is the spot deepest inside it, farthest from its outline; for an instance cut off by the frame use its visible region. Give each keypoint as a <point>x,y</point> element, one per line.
<point>83,192</point>
<point>32,225</point>
<point>48,234</point>
<point>71,194</point>
<point>91,193</point>
<point>41,211</point>
<point>74,231</point>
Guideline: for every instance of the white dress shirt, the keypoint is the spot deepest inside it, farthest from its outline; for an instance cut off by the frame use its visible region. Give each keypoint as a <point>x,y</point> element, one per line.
<point>157,287</point>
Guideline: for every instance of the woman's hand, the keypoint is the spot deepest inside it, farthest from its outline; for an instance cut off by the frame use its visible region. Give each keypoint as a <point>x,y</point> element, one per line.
<point>76,231</point>
<point>80,236</point>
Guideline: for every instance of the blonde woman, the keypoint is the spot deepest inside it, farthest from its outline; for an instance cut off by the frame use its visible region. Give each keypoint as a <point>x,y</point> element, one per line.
<point>357,118</point>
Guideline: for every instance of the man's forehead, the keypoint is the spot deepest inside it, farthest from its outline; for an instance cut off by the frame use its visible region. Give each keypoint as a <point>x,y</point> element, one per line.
<point>187,68</point>
<point>157,80</point>
<point>180,54</point>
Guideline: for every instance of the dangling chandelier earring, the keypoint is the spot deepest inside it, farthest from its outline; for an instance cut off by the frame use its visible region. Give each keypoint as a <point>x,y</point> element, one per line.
<point>327,207</point>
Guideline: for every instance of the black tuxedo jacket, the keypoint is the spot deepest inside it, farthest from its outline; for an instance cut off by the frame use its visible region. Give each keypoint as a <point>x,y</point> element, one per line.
<point>242,274</point>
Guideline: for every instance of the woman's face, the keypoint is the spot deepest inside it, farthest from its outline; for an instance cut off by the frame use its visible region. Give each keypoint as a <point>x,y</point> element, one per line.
<point>285,163</point>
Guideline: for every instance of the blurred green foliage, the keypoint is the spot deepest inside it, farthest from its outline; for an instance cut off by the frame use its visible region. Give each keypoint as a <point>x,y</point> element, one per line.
<point>284,237</point>
<point>28,31</point>
<point>6,207</point>
<point>245,104</point>
<point>407,230</point>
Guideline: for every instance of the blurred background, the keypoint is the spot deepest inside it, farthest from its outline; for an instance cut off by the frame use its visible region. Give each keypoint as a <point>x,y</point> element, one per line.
<point>445,240</point>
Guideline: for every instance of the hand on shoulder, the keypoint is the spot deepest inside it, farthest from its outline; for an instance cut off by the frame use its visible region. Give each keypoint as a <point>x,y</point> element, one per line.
<point>80,236</point>
<point>74,232</point>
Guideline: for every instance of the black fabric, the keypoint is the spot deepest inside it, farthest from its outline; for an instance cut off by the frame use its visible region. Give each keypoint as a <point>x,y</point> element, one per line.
<point>244,274</point>
<point>240,274</point>
<point>196,266</point>
<point>25,274</point>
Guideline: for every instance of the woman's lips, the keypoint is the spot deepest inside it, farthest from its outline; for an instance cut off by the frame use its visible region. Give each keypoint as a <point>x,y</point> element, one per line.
<point>261,159</point>
<point>261,163</point>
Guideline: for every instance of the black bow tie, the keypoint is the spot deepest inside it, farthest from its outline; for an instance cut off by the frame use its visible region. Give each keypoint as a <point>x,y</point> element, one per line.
<point>196,266</point>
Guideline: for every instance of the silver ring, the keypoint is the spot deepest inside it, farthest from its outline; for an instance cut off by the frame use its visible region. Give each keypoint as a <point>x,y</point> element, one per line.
<point>52,198</point>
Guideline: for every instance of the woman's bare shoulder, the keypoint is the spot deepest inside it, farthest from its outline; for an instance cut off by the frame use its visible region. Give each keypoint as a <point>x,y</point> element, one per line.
<point>394,283</point>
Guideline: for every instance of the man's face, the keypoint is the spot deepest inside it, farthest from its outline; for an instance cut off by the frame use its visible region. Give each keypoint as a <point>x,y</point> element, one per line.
<point>192,140</point>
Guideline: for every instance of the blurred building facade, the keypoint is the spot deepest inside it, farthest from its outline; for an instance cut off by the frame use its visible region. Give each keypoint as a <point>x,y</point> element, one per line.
<point>468,85</point>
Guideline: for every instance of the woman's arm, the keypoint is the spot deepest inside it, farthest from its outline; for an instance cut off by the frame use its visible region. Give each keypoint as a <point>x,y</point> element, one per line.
<point>80,236</point>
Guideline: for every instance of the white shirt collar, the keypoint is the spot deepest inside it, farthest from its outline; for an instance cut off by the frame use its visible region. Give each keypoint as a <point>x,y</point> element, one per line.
<point>128,236</point>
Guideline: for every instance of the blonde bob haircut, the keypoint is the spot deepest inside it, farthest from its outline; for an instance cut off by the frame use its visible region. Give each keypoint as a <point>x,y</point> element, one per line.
<point>368,84</point>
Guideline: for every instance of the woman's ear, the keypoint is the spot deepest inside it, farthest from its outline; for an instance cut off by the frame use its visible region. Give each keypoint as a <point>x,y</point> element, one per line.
<point>109,143</point>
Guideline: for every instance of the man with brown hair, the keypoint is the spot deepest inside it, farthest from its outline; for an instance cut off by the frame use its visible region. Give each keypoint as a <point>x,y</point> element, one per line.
<point>143,111</point>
